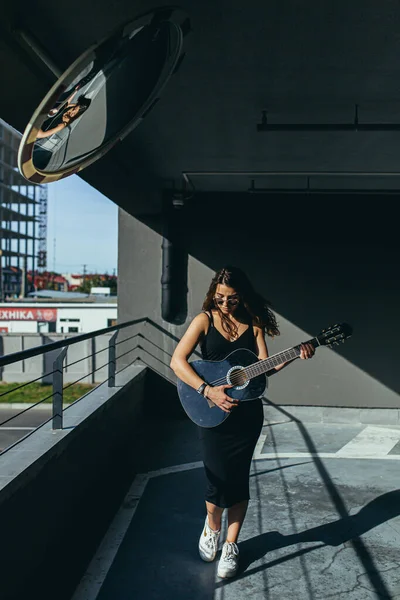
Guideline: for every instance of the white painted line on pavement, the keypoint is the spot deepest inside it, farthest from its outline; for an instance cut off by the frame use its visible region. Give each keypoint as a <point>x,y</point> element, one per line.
<point>17,428</point>
<point>371,442</point>
<point>91,582</point>
<point>259,446</point>
<point>332,455</point>
<point>175,469</point>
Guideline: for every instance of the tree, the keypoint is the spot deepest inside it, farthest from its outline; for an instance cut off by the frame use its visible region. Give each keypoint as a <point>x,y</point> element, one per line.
<point>105,281</point>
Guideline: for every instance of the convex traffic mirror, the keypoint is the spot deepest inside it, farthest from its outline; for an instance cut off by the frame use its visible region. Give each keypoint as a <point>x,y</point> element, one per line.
<point>103,96</point>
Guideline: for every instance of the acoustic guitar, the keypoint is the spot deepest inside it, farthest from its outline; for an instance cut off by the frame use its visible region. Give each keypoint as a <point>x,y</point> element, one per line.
<point>246,373</point>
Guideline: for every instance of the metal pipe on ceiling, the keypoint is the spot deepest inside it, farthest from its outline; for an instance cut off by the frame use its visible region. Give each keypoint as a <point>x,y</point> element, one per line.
<point>308,189</point>
<point>329,127</point>
<point>355,126</point>
<point>37,49</point>
<point>305,189</point>
<point>323,191</point>
<point>292,173</point>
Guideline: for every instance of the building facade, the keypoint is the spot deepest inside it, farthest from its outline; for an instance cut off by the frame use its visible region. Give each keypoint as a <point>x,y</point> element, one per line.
<point>23,220</point>
<point>56,317</point>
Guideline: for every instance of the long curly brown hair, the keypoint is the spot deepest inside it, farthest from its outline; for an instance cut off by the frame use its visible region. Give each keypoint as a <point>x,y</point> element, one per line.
<point>251,303</point>
<point>82,104</point>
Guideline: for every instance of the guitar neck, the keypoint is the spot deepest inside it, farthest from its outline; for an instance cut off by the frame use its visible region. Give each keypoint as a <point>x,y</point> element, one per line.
<point>267,364</point>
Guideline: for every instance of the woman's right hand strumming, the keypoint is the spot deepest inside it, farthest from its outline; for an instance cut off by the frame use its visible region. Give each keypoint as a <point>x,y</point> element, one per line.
<point>217,395</point>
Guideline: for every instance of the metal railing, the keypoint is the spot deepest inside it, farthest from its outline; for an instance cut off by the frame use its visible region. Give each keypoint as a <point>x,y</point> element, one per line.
<point>57,373</point>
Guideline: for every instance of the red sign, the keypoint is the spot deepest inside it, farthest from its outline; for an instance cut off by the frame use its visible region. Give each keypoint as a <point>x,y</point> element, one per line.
<point>28,314</point>
<point>3,329</point>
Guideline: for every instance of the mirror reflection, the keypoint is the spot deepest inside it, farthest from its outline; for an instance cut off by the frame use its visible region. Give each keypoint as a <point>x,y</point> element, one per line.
<point>103,96</point>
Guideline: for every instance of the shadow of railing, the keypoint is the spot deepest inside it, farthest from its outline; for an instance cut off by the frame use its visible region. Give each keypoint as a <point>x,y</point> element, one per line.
<point>346,529</point>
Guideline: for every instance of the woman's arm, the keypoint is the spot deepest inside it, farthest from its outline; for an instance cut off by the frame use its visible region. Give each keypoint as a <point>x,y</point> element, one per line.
<point>179,364</point>
<point>43,134</point>
<point>261,346</point>
<point>262,350</point>
<point>63,104</point>
<point>179,361</point>
<point>306,351</point>
<point>69,103</point>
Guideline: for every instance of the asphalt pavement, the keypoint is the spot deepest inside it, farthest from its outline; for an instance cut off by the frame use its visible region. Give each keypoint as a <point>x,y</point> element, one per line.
<point>13,426</point>
<point>323,520</point>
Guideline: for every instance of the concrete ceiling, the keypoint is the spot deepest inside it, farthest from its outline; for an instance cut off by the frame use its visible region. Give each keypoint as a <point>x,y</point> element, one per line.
<point>301,61</point>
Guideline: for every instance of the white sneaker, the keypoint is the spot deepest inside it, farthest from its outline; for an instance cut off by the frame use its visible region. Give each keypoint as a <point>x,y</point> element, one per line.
<point>229,562</point>
<point>208,543</point>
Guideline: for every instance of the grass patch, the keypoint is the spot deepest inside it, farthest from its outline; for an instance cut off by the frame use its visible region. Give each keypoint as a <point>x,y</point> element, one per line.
<point>35,392</point>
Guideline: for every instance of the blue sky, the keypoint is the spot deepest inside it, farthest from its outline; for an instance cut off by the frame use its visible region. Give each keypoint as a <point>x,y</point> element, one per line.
<point>83,223</point>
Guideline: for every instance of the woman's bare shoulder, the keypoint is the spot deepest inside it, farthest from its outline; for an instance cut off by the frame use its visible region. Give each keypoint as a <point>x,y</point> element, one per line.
<point>200,322</point>
<point>201,318</point>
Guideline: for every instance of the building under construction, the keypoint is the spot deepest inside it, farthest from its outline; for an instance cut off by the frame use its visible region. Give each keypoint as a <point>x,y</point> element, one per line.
<point>23,220</point>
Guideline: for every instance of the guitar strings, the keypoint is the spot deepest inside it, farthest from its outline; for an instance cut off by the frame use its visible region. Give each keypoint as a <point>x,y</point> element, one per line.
<point>235,379</point>
<point>252,369</point>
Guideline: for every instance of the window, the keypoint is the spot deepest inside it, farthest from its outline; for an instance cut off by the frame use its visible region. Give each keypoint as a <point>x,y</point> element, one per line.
<point>70,320</point>
<point>73,329</point>
<point>111,322</point>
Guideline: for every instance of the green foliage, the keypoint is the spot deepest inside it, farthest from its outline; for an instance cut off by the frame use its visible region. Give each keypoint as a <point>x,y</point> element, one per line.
<point>35,392</point>
<point>98,281</point>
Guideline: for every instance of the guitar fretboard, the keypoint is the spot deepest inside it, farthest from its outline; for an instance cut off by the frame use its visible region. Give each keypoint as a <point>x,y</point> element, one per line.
<point>262,366</point>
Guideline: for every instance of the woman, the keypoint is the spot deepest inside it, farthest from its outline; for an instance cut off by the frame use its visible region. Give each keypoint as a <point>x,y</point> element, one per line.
<point>234,316</point>
<point>63,101</point>
<point>72,112</point>
<point>50,149</point>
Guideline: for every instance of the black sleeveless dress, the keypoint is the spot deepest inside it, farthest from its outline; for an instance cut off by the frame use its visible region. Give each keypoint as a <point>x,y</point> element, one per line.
<point>228,448</point>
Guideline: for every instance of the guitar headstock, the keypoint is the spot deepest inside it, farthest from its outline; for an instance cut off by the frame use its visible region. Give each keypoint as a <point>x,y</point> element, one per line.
<point>335,334</point>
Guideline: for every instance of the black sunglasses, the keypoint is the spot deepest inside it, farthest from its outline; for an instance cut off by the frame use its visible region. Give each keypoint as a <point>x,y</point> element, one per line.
<point>230,301</point>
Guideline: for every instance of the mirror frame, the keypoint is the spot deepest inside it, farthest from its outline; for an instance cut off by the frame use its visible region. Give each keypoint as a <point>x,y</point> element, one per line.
<point>178,18</point>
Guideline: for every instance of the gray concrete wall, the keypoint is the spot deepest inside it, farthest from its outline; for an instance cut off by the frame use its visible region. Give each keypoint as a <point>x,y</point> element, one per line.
<point>41,366</point>
<point>59,490</point>
<point>319,260</point>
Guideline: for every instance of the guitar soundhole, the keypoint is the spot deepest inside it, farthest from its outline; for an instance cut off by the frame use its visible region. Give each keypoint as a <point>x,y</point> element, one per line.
<point>237,377</point>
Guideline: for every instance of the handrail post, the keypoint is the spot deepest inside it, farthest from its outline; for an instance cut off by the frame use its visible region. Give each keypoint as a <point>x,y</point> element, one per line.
<point>58,380</point>
<point>112,359</point>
